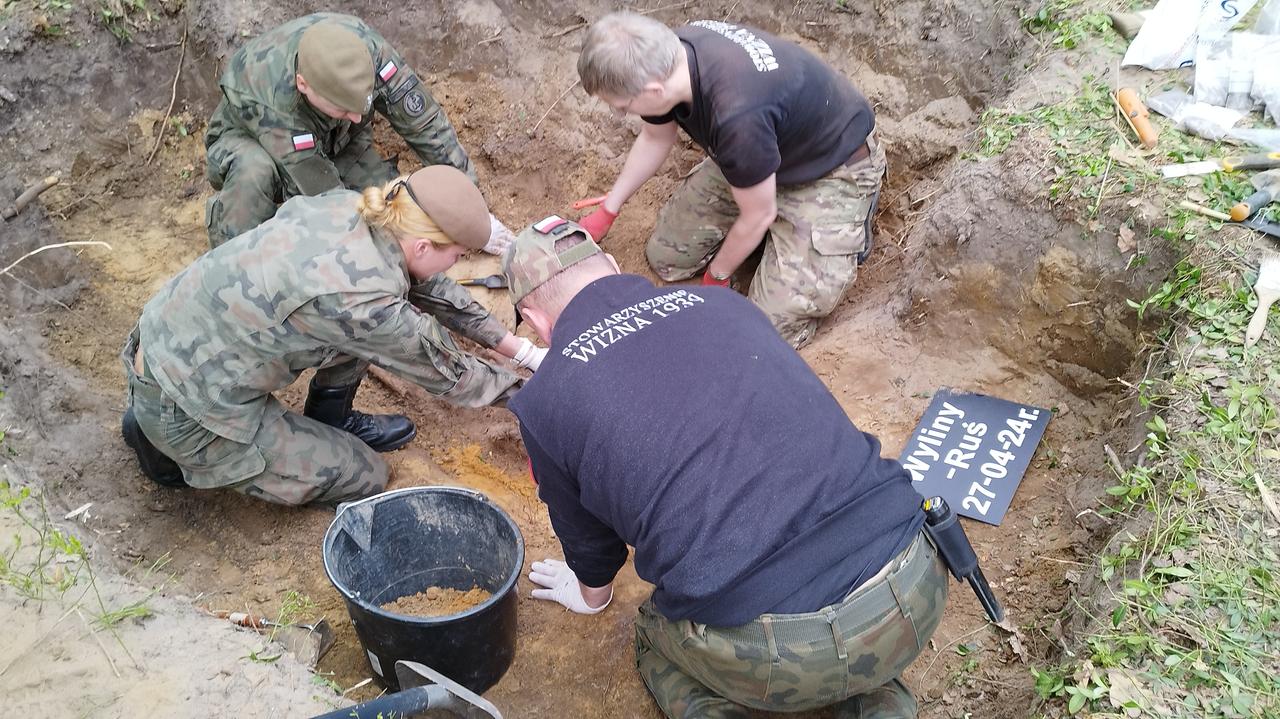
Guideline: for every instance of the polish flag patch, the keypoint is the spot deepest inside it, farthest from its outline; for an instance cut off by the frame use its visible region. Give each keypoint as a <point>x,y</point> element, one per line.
<point>304,142</point>
<point>547,225</point>
<point>388,71</point>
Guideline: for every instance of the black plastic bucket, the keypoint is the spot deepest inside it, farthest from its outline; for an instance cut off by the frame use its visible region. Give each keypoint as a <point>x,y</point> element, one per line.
<point>400,543</point>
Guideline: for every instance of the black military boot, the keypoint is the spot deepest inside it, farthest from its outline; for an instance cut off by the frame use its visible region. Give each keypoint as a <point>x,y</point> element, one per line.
<point>382,432</point>
<point>158,468</point>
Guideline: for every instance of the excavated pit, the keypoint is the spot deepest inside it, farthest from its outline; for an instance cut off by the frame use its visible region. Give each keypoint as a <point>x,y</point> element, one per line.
<point>974,284</point>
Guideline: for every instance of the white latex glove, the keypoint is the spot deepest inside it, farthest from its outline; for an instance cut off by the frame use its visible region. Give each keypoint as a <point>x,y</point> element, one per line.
<point>500,238</point>
<point>529,356</point>
<point>560,584</point>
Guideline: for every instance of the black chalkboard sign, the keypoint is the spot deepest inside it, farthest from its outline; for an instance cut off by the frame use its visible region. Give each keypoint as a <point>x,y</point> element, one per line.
<point>972,450</point>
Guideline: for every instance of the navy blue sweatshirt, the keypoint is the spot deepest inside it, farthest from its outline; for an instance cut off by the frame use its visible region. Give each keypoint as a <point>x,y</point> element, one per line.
<point>677,421</point>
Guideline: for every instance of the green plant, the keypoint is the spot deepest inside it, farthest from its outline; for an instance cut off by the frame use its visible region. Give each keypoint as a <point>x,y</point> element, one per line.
<point>121,17</point>
<point>293,608</point>
<point>1065,26</point>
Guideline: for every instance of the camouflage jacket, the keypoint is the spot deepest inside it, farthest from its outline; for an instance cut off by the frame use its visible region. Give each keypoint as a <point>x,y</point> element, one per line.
<point>308,285</point>
<point>261,99</point>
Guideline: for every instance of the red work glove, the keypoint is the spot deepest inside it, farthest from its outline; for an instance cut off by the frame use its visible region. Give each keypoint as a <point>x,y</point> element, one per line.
<point>598,223</point>
<point>707,279</point>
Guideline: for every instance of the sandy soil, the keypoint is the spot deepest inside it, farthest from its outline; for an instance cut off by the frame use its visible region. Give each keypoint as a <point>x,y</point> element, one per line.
<point>438,602</point>
<point>974,284</point>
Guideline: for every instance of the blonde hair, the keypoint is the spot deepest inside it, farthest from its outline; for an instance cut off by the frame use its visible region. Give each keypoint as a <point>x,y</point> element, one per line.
<point>623,51</point>
<point>400,215</point>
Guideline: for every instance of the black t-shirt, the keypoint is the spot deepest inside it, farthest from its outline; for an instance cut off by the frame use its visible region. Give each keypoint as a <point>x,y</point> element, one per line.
<point>677,421</point>
<point>763,105</point>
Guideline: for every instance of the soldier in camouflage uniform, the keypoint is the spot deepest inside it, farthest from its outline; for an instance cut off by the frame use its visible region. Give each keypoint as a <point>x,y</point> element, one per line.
<point>789,567</point>
<point>296,119</point>
<point>793,162</point>
<point>336,276</point>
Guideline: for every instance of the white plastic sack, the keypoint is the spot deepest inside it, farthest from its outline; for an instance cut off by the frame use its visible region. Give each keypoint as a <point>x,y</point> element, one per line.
<point>1226,68</point>
<point>1268,22</point>
<point>1169,36</point>
<point>1266,76</point>
<point>1198,118</point>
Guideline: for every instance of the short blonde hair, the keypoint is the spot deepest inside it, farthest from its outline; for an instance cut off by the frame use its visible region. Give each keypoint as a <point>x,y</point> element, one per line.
<point>392,208</point>
<point>623,51</point>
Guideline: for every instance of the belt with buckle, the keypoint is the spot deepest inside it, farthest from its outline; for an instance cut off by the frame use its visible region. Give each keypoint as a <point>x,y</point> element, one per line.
<point>860,154</point>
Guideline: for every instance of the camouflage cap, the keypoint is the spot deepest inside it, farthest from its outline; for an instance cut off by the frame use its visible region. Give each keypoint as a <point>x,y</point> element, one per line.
<point>532,259</point>
<point>453,202</point>
<point>336,64</point>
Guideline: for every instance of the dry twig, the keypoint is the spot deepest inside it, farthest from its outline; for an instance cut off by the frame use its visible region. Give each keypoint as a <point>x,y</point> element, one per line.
<point>101,646</point>
<point>553,106</point>
<point>173,97</point>
<point>950,644</point>
<point>565,31</point>
<point>660,8</point>
<point>56,245</point>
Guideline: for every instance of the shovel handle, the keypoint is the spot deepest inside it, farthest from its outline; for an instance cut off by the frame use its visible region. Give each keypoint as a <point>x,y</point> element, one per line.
<point>1136,114</point>
<point>407,703</point>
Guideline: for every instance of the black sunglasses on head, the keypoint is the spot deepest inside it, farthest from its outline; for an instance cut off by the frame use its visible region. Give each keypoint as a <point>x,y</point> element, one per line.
<point>395,190</point>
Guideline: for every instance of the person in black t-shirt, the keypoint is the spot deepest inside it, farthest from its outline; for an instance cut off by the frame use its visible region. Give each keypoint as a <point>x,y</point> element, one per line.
<point>792,159</point>
<point>788,563</point>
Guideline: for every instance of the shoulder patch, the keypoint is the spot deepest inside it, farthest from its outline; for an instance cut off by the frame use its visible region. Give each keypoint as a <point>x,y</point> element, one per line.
<point>407,83</point>
<point>549,225</point>
<point>388,71</point>
<point>305,141</point>
<point>414,103</point>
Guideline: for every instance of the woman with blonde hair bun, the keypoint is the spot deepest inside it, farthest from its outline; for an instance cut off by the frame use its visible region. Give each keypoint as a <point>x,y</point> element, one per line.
<point>335,281</point>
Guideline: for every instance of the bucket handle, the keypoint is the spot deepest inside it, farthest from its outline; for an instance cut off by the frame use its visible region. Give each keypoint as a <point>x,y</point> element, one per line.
<point>362,533</point>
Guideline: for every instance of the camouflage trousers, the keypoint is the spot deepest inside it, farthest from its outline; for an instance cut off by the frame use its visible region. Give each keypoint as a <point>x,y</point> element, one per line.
<point>849,654</point>
<point>291,460</point>
<point>249,186</point>
<point>810,256</point>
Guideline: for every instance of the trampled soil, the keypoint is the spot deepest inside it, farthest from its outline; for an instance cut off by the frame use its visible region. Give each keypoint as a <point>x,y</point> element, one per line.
<point>974,284</point>
<point>438,602</point>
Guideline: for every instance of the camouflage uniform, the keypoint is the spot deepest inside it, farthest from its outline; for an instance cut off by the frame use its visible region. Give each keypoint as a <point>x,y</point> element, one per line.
<point>309,286</point>
<point>810,254</point>
<point>851,653</point>
<point>265,143</point>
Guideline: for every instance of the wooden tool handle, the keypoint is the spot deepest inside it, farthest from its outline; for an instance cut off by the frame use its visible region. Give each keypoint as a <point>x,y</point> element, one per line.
<point>1258,324</point>
<point>1201,209</point>
<point>1135,113</point>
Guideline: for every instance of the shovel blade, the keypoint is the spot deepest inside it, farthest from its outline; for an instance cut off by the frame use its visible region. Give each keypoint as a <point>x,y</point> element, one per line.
<point>462,701</point>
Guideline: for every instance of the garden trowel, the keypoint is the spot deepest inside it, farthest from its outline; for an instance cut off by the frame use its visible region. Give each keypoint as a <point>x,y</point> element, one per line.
<point>307,642</point>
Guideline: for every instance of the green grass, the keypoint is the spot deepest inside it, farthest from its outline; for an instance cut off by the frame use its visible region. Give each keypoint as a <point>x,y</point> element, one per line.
<point>1183,618</point>
<point>1189,622</point>
<point>1065,25</point>
<point>41,562</point>
<point>122,17</point>
<point>293,608</point>
<point>1084,137</point>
